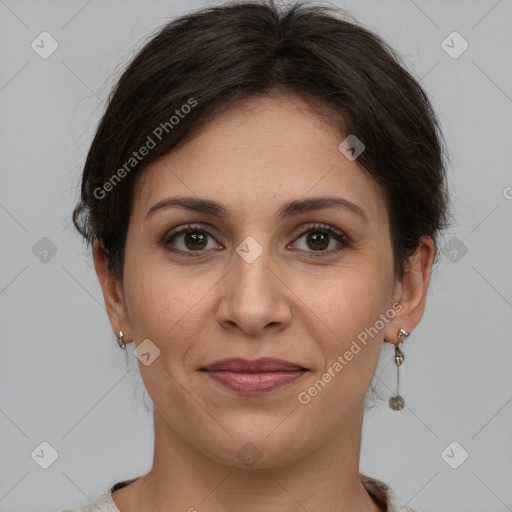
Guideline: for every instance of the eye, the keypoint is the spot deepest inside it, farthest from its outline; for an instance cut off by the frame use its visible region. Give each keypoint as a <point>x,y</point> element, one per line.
<point>322,236</point>
<point>195,241</point>
<point>189,240</point>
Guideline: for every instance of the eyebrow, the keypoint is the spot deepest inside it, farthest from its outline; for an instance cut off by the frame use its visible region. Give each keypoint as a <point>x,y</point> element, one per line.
<point>289,209</point>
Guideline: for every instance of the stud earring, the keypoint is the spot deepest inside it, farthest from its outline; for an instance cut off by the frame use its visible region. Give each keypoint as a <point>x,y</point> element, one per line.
<point>122,344</point>
<point>397,402</point>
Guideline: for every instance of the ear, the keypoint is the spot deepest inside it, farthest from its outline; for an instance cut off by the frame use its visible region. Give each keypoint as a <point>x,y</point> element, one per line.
<point>411,290</point>
<point>112,292</point>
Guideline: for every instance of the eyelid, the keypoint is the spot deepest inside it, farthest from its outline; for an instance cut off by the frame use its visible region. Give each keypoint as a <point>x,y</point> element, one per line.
<point>323,227</point>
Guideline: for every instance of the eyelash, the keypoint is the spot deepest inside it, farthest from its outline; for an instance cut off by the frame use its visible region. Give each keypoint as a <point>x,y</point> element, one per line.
<point>343,239</point>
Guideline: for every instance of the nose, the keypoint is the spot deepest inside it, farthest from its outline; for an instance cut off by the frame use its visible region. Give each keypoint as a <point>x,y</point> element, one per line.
<point>254,299</point>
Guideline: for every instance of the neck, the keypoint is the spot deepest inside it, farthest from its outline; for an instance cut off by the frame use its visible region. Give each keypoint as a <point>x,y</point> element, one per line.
<point>183,478</point>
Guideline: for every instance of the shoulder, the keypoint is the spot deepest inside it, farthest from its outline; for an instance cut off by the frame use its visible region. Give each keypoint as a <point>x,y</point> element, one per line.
<point>383,495</point>
<point>83,508</point>
<point>103,501</point>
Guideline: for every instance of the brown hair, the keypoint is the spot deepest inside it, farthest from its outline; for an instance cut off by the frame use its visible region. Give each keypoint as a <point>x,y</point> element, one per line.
<point>199,64</point>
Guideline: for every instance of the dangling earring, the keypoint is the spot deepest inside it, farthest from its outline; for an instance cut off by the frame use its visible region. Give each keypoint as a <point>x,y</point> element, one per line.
<point>122,344</point>
<point>397,402</point>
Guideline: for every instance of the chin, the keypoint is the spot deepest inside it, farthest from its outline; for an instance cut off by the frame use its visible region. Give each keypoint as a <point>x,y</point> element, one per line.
<point>269,448</point>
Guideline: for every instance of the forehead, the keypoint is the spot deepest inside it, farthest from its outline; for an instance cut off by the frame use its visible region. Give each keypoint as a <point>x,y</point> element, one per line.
<point>258,154</point>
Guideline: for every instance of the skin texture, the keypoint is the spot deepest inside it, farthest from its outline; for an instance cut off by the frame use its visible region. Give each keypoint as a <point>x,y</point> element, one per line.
<point>285,304</point>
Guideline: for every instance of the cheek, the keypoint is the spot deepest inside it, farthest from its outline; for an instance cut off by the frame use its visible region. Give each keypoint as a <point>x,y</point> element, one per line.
<point>148,294</point>
<point>348,299</point>
<point>349,349</point>
<point>351,304</point>
<point>163,299</point>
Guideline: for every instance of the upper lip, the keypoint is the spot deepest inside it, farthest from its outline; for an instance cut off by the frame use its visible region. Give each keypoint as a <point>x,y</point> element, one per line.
<point>264,364</point>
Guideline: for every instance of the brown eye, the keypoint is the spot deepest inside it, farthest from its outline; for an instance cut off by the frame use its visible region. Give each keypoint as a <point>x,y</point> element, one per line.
<point>317,240</point>
<point>189,240</point>
<point>195,240</point>
<point>319,237</point>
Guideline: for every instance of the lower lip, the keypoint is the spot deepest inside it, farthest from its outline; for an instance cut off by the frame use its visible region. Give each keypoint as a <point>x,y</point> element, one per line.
<point>255,383</point>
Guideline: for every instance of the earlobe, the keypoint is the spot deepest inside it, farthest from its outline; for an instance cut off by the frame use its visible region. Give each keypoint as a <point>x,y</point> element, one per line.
<point>112,292</point>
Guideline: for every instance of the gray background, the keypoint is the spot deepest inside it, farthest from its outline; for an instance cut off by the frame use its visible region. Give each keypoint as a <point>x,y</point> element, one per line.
<point>63,378</point>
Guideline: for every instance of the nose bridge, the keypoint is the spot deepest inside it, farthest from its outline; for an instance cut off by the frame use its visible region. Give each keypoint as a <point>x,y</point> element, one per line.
<point>252,298</point>
<point>252,272</point>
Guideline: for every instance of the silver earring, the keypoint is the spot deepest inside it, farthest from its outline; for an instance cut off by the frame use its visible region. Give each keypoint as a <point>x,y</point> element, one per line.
<point>122,344</point>
<point>397,402</point>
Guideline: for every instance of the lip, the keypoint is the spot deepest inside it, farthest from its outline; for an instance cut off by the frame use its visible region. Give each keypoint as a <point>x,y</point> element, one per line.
<point>264,364</point>
<point>254,377</point>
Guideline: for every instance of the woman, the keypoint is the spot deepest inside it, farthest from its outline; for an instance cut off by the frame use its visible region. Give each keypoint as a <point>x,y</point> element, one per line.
<point>263,197</point>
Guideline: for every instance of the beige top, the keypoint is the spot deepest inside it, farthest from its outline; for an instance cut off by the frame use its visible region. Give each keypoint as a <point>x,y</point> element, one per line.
<point>379,491</point>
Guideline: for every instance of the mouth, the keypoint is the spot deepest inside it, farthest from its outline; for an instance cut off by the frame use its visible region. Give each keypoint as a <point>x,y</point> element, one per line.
<point>254,377</point>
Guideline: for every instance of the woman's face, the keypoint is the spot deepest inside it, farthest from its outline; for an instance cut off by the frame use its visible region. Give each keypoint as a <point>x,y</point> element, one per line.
<point>260,280</point>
